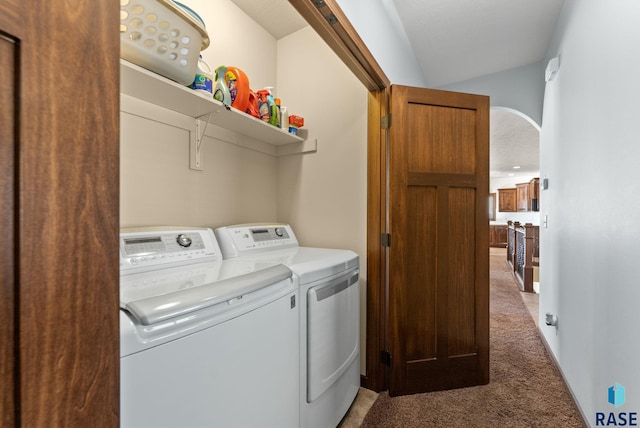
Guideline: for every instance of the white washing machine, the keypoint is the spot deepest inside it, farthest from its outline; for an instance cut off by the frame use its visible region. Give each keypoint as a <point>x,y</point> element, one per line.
<point>329,314</point>
<point>204,342</point>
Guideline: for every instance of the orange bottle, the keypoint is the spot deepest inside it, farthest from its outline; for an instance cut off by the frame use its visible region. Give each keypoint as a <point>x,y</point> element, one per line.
<point>238,83</point>
<point>252,108</point>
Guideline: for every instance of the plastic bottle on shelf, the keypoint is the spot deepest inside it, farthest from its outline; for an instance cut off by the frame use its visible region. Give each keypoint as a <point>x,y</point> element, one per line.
<point>203,82</point>
<point>252,107</point>
<point>284,118</point>
<point>238,84</point>
<point>263,104</point>
<point>278,121</point>
<point>221,90</point>
<point>273,113</point>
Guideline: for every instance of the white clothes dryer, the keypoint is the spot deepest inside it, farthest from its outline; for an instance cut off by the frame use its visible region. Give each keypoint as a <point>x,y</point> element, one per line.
<point>328,280</point>
<point>204,342</point>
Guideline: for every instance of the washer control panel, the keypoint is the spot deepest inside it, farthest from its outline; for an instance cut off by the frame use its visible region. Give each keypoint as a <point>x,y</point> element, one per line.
<point>243,239</point>
<point>146,248</point>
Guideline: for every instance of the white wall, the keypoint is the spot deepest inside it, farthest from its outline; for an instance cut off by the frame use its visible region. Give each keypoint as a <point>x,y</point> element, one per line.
<point>378,25</point>
<point>589,152</point>
<point>324,195</point>
<point>520,89</point>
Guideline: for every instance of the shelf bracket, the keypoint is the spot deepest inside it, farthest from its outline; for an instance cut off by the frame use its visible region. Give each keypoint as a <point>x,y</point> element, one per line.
<point>196,161</point>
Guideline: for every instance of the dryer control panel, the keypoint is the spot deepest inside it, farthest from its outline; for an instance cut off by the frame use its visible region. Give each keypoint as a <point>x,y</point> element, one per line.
<point>249,238</point>
<point>145,249</point>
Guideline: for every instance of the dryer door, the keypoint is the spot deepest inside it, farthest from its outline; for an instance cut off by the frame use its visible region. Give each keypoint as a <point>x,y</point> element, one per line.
<point>333,331</point>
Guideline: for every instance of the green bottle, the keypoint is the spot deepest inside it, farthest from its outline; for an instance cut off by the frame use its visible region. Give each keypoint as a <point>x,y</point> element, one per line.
<point>220,89</point>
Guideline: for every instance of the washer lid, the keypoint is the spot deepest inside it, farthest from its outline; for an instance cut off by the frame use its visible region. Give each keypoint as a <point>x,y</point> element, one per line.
<point>152,298</point>
<point>308,263</point>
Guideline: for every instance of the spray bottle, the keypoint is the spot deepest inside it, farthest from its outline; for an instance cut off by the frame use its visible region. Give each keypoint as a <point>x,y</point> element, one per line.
<point>273,109</point>
<point>263,104</point>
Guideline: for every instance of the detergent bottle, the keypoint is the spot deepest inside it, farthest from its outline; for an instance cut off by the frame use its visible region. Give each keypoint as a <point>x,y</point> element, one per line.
<point>238,84</point>
<point>221,90</point>
<point>263,104</point>
<point>253,108</point>
<point>203,82</point>
<point>278,113</point>
<point>273,109</point>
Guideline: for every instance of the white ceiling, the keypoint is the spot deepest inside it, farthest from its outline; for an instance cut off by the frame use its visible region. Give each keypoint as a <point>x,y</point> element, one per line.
<point>456,40</point>
<point>514,141</point>
<point>278,17</point>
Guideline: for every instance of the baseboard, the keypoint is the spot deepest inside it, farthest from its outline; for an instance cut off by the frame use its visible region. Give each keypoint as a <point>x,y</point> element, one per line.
<point>564,379</point>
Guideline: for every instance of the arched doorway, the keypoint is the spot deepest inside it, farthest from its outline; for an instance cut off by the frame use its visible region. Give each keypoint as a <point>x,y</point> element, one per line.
<point>515,164</point>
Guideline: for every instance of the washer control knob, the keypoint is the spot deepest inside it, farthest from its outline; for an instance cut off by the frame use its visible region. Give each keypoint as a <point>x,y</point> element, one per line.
<point>279,232</point>
<point>183,240</point>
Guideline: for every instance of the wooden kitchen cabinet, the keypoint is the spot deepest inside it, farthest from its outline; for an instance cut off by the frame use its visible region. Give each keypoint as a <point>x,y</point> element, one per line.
<point>534,194</point>
<point>522,196</point>
<point>507,200</point>
<point>498,235</point>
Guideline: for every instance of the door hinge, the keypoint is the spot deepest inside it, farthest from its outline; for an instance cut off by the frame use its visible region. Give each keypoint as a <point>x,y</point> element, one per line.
<point>385,121</point>
<point>385,358</point>
<point>385,239</point>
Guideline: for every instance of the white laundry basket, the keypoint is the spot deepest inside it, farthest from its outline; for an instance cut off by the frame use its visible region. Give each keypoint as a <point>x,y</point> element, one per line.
<point>163,37</point>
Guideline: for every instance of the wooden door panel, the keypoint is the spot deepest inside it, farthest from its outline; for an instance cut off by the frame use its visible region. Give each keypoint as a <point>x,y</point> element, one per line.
<point>460,290</point>
<point>438,261</point>
<point>59,172</point>
<point>449,147</point>
<point>7,225</point>
<point>418,330</point>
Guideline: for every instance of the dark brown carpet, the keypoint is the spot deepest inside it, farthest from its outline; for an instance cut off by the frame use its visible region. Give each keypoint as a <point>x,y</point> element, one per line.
<point>525,390</point>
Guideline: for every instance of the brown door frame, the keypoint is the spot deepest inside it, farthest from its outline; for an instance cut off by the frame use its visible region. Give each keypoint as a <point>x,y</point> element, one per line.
<point>331,24</point>
<point>60,362</point>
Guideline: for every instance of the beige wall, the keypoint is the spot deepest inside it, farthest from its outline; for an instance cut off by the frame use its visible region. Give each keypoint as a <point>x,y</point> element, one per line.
<point>237,184</point>
<point>158,188</point>
<point>322,195</point>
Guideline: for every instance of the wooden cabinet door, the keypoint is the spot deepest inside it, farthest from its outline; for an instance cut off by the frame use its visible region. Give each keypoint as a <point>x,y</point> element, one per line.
<point>497,235</point>
<point>522,196</point>
<point>501,236</point>
<point>59,185</point>
<point>438,264</point>
<point>507,200</point>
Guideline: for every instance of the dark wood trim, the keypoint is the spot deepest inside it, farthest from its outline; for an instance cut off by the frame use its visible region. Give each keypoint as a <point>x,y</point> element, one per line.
<point>334,28</point>
<point>65,358</point>
<point>376,225</point>
<point>9,105</point>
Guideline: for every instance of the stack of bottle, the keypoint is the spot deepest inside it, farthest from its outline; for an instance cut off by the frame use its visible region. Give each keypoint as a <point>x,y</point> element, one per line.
<point>231,88</point>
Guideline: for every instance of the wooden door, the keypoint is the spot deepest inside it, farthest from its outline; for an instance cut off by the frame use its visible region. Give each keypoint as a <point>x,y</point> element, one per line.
<point>438,332</point>
<point>59,174</point>
<point>8,106</point>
